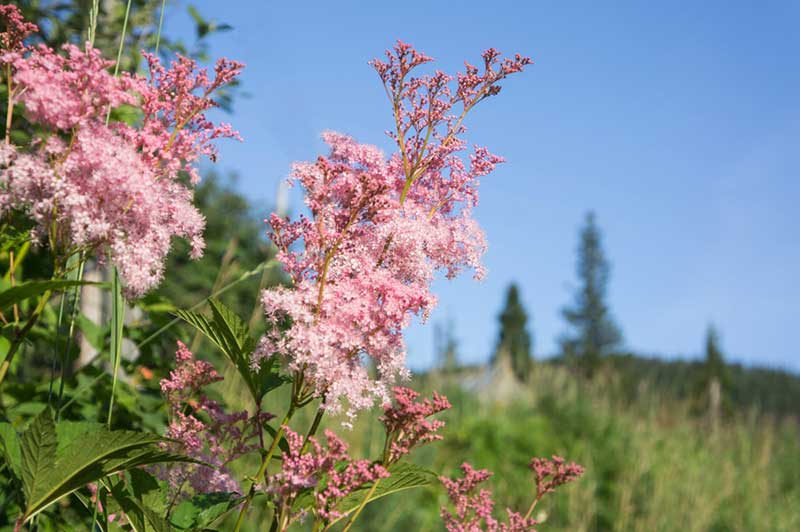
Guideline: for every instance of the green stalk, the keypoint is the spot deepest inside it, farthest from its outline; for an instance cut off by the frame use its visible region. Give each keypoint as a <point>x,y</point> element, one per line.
<point>61,306</point>
<point>264,463</point>
<point>160,23</point>
<point>70,333</point>
<point>117,322</point>
<point>120,49</point>
<point>93,21</point>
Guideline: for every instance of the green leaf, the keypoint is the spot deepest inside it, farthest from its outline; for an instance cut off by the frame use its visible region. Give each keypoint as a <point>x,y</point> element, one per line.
<point>231,335</point>
<point>39,446</point>
<point>51,471</point>
<point>146,488</point>
<point>89,507</point>
<point>12,452</point>
<point>202,510</point>
<point>142,517</point>
<point>405,476</point>
<point>69,431</point>
<point>30,289</point>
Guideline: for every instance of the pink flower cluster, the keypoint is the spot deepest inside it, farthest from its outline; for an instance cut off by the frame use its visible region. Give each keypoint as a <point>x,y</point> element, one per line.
<point>16,30</point>
<point>407,424</point>
<point>328,472</point>
<point>207,434</point>
<point>550,474</point>
<point>473,506</point>
<point>378,231</point>
<point>108,188</point>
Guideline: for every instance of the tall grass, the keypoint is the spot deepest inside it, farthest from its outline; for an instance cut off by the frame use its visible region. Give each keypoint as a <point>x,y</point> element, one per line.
<point>652,464</point>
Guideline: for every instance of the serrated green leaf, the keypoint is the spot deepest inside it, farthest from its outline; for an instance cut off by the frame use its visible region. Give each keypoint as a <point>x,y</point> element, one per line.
<point>146,488</point>
<point>231,335</point>
<point>69,431</point>
<point>141,517</point>
<point>38,447</point>
<point>51,471</point>
<point>31,289</point>
<point>405,476</point>
<point>12,451</point>
<point>202,510</point>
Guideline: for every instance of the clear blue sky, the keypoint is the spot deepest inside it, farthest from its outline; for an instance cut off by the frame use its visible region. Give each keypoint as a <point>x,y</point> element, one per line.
<point>677,123</point>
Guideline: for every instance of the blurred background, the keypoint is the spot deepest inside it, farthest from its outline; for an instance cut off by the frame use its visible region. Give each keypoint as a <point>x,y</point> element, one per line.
<point>639,309</point>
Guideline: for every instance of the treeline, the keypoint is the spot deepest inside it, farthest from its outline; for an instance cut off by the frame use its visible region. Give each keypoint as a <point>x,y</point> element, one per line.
<point>593,343</point>
<point>772,391</point>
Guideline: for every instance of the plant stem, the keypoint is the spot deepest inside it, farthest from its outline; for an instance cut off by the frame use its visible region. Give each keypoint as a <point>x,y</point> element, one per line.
<point>532,506</point>
<point>264,463</point>
<point>361,506</point>
<point>75,310</point>
<point>10,106</point>
<point>119,50</point>
<point>314,427</point>
<point>115,349</point>
<point>160,24</point>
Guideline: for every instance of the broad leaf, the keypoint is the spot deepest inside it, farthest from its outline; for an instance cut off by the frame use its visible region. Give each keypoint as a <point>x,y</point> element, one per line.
<point>230,334</point>
<point>10,445</point>
<point>141,517</point>
<point>69,431</point>
<point>51,470</point>
<point>202,510</point>
<point>30,289</point>
<point>405,476</point>
<point>39,446</point>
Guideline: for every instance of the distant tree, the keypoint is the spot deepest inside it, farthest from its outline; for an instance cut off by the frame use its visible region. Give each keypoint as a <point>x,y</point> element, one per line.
<point>593,332</point>
<point>714,383</point>
<point>714,363</point>
<point>514,340</point>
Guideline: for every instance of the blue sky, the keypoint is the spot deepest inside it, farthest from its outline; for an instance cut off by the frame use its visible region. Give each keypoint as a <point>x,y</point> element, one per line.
<point>679,125</point>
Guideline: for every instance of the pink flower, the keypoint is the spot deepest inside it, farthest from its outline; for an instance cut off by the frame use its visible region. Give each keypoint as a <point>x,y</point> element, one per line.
<point>16,29</point>
<point>113,190</point>
<point>200,428</point>
<point>327,472</point>
<point>407,424</point>
<point>379,230</point>
<point>550,474</point>
<point>473,507</point>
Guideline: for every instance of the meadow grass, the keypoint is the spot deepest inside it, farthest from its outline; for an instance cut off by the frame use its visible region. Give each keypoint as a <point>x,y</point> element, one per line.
<point>653,464</point>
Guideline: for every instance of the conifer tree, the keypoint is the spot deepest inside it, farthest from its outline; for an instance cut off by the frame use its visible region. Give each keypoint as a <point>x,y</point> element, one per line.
<point>514,340</point>
<point>593,332</point>
<point>714,380</point>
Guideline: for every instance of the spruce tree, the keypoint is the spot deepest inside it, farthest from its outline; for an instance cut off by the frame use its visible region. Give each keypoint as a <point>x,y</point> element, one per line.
<point>593,333</point>
<point>714,379</point>
<point>714,364</point>
<point>515,340</point>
